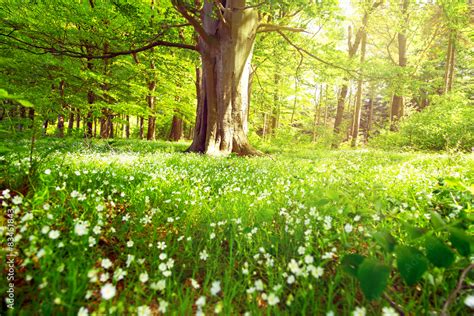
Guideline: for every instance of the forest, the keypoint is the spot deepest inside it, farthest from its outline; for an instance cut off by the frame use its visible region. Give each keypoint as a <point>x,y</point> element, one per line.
<point>237,157</point>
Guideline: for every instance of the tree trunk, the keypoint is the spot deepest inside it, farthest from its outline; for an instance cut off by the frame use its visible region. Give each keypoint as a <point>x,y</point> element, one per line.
<point>352,51</point>
<point>275,114</point>
<point>317,110</point>
<point>264,129</point>
<point>110,126</point>
<point>31,116</point>
<point>358,105</point>
<point>370,115</point>
<point>70,125</point>
<point>176,129</point>
<point>22,117</point>
<point>326,108</point>
<point>449,69</point>
<point>63,105</point>
<point>150,135</point>
<point>141,122</point>
<point>61,126</point>
<point>45,127</point>
<point>104,124</point>
<point>88,122</point>
<point>127,127</point>
<point>397,108</point>
<point>78,119</point>
<point>223,100</point>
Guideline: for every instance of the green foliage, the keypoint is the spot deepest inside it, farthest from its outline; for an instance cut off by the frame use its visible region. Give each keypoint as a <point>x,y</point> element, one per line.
<point>438,252</point>
<point>461,241</point>
<point>268,218</point>
<point>444,124</point>
<point>350,263</point>
<point>411,263</point>
<point>386,240</point>
<point>373,278</point>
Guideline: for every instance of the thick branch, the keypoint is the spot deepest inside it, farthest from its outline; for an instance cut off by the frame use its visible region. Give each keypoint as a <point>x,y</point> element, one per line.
<point>179,6</point>
<point>76,54</point>
<point>220,10</point>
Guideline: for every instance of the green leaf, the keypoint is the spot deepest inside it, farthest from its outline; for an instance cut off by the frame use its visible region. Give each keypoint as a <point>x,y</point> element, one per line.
<point>350,263</point>
<point>461,241</point>
<point>413,232</point>
<point>438,253</point>
<point>437,221</point>
<point>411,263</point>
<point>4,94</point>
<point>386,240</point>
<point>25,103</point>
<point>373,277</point>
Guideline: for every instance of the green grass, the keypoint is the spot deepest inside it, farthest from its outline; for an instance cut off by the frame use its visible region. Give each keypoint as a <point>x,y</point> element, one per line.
<point>261,222</point>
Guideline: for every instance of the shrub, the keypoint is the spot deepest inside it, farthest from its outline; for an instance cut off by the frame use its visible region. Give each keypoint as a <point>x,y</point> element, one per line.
<point>446,124</point>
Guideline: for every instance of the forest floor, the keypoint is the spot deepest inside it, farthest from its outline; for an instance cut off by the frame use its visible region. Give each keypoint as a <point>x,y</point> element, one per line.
<point>127,227</point>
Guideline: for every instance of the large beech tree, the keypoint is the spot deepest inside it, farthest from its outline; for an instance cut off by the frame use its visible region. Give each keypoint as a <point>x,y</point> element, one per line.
<point>226,30</point>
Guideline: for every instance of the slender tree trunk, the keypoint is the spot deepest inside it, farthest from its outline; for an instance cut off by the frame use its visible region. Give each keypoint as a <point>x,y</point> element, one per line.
<point>450,62</point>
<point>326,108</point>
<point>295,101</point>
<point>88,121</point>
<point>61,126</point>
<point>151,104</point>
<point>63,105</point>
<point>397,108</point>
<point>31,116</point>
<point>104,124</point>
<point>317,110</point>
<point>110,125</point>
<point>275,110</point>
<point>339,114</point>
<point>358,106</point>
<point>70,125</point>
<point>78,119</point>
<point>226,55</point>
<point>370,114</point>
<point>141,123</point>
<point>127,127</point>
<point>352,51</point>
<point>45,127</point>
<point>22,118</point>
<point>264,129</point>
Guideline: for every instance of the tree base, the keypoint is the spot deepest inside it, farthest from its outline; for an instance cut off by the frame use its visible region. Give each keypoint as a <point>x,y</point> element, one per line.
<point>239,150</point>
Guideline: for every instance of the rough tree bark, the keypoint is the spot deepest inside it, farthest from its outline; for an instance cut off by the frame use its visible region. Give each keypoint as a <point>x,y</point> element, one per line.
<point>226,47</point>
<point>176,128</point>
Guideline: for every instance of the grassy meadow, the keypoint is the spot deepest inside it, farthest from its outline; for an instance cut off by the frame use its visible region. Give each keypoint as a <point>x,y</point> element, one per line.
<point>129,227</point>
